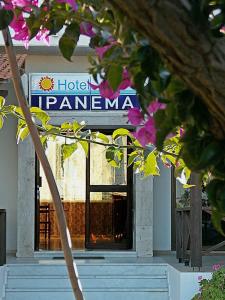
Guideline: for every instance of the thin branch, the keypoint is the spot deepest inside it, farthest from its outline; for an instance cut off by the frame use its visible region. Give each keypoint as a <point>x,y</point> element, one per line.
<point>42,129</point>
<point>45,164</point>
<point>69,136</point>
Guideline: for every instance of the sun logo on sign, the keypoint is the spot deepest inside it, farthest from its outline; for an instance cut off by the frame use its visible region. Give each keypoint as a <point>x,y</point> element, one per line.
<point>46,83</point>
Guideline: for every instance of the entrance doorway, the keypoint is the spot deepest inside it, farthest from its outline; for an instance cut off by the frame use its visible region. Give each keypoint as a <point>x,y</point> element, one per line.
<point>97,199</point>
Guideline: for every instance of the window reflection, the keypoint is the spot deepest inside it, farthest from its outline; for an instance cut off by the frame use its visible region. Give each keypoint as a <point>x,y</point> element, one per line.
<point>101,171</point>
<point>108,217</point>
<point>70,177</point>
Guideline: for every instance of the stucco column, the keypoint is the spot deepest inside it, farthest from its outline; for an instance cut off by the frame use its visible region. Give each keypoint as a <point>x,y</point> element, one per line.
<point>26,196</point>
<point>144,215</point>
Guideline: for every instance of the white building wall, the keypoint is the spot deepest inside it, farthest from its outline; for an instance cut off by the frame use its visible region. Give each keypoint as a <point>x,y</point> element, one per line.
<point>57,64</point>
<point>162,210</point>
<point>8,173</point>
<point>184,285</point>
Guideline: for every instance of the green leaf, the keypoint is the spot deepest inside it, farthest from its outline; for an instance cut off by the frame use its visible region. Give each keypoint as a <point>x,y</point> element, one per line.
<point>2,102</point>
<point>55,24</point>
<point>66,126</point>
<point>187,186</point>
<point>111,157</point>
<point>67,46</point>
<point>77,126</point>
<point>1,121</point>
<point>85,147</point>
<point>120,132</point>
<point>68,41</point>
<point>23,133</point>
<point>119,155</point>
<point>211,190</point>
<point>9,108</point>
<point>216,194</point>
<point>6,17</point>
<point>114,76</point>
<point>68,150</point>
<point>73,31</point>
<point>113,163</point>
<point>150,166</point>
<point>138,166</point>
<point>184,176</point>
<point>171,158</point>
<point>33,23</point>
<point>18,110</point>
<point>209,155</point>
<point>52,130</point>
<point>131,157</point>
<point>40,114</point>
<point>102,137</point>
<point>216,220</point>
<point>44,139</point>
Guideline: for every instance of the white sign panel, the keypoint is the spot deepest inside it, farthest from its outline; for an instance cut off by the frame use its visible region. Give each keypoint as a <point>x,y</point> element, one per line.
<point>68,91</point>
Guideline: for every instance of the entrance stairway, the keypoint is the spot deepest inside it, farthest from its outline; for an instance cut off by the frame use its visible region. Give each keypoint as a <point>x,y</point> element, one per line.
<point>100,281</point>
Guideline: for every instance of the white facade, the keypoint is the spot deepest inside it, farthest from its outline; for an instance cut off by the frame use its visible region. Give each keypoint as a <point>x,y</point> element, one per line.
<point>17,167</point>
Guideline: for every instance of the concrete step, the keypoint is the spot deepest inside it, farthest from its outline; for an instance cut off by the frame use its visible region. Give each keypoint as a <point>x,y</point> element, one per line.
<point>100,281</point>
<point>88,269</point>
<point>96,294</point>
<point>135,282</point>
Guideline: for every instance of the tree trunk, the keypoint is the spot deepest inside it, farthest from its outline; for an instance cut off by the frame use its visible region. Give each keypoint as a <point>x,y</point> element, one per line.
<point>188,50</point>
<point>64,233</point>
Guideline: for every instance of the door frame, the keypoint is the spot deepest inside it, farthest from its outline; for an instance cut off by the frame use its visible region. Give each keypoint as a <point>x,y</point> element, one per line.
<point>128,188</point>
<point>90,188</point>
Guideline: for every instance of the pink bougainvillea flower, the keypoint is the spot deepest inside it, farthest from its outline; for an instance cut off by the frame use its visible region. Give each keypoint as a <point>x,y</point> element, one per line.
<point>7,4</point>
<point>18,23</point>
<point>126,81</point>
<point>21,30</point>
<point>181,131</point>
<point>135,116</point>
<point>72,3</point>
<point>105,90</point>
<point>146,134</point>
<point>170,135</point>
<point>100,51</point>
<point>87,29</point>
<point>10,4</point>
<point>199,278</point>
<point>150,124</point>
<point>43,36</point>
<point>216,267</point>
<point>24,3</point>
<point>222,29</point>
<point>154,106</point>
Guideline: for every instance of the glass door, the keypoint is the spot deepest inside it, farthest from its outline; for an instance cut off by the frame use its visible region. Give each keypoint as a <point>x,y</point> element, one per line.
<point>108,201</point>
<point>97,199</point>
<point>70,176</point>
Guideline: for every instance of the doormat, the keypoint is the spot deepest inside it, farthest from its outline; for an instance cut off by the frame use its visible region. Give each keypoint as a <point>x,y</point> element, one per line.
<point>81,257</point>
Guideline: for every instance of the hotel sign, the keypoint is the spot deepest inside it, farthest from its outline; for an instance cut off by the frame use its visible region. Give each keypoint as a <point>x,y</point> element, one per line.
<point>72,92</point>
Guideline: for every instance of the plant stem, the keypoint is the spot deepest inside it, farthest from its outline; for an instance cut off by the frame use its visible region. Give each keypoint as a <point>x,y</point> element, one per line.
<point>66,134</point>
<point>64,233</point>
